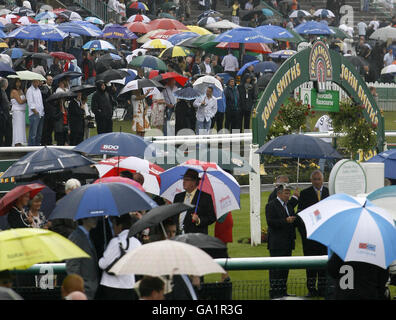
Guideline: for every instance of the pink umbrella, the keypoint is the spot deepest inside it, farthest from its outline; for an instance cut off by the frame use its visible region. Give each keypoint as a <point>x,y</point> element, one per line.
<point>150,171</point>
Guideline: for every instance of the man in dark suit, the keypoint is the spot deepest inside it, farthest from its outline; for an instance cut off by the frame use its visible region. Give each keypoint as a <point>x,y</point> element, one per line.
<point>87,268</point>
<point>309,197</point>
<point>282,179</point>
<point>195,220</point>
<point>281,237</point>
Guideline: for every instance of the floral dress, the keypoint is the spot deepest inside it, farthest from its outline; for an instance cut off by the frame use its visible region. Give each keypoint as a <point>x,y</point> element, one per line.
<point>140,120</point>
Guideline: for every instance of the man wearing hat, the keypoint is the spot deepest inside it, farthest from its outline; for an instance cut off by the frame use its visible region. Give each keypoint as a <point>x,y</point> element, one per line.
<point>281,236</point>
<point>196,219</point>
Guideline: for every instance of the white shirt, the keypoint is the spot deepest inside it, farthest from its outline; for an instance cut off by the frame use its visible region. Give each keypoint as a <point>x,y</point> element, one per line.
<point>111,253</point>
<point>362,28</point>
<point>346,29</point>
<point>208,68</point>
<point>207,111</point>
<point>169,96</point>
<point>248,6</point>
<point>324,125</point>
<point>230,63</point>
<point>388,59</point>
<point>35,101</point>
<point>284,205</point>
<point>375,24</point>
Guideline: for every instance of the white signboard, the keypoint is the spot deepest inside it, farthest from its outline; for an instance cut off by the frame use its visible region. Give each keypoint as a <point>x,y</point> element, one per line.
<point>347,176</point>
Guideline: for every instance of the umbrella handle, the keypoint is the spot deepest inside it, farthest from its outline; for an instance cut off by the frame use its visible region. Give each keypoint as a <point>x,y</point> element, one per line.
<point>163,230</point>
<point>200,191</point>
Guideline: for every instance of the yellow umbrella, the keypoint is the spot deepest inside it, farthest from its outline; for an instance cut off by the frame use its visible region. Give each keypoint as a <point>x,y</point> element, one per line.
<point>3,45</point>
<point>24,247</point>
<point>201,31</point>
<point>175,51</point>
<point>146,37</point>
<point>157,44</point>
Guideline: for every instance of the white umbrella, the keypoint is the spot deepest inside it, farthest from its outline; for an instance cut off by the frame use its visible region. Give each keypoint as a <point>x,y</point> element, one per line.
<point>4,12</point>
<point>27,75</point>
<point>384,33</point>
<point>389,69</point>
<point>326,12</point>
<point>134,54</point>
<point>223,24</point>
<point>6,59</point>
<point>167,257</point>
<point>298,13</point>
<point>209,80</point>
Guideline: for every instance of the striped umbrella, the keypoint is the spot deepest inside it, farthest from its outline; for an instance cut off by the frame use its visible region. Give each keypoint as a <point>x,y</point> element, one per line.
<point>25,20</point>
<point>222,186</point>
<point>299,13</point>
<point>324,13</point>
<point>139,18</point>
<point>157,44</point>
<point>176,51</point>
<point>94,20</point>
<point>98,45</point>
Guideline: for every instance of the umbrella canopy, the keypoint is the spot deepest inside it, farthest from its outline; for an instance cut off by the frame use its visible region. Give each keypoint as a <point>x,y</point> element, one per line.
<point>98,45</point>
<point>68,74</point>
<point>209,80</point>
<point>80,29</point>
<point>274,32</point>
<point>266,66</point>
<point>263,81</point>
<point>176,258</point>
<point>6,70</point>
<point>15,53</point>
<point>197,41</point>
<point>116,144</point>
<point>115,31</point>
<point>357,61</point>
<point>21,248</point>
<point>391,69</point>
<point>176,38</point>
<point>62,55</point>
<point>167,24</point>
<point>313,27</point>
<point>157,215</point>
<point>23,11</point>
<point>211,245</point>
<point>222,186</point>
<point>11,18</point>
<point>384,33</point>
<point>243,35</point>
<point>101,199</point>
<point>387,157</point>
<point>120,180</point>
<point>299,14</point>
<point>188,94</point>
<point>24,21</point>
<point>150,171</point>
<point>39,32</point>
<point>8,200</point>
<point>46,15</point>
<point>6,59</point>
<point>354,228</point>
<point>140,84</point>
<point>171,75</point>
<point>165,35</point>
<point>3,45</point>
<point>324,13</point>
<point>210,13</point>
<point>46,160</point>
<point>111,74</point>
<point>384,198</point>
<point>149,62</point>
<point>157,44</point>
<point>132,74</point>
<point>197,29</point>
<point>139,27</point>
<point>94,20</point>
<point>27,75</point>
<point>139,18</point>
<point>223,24</point>
<point>87,24</point>
<point>282,54</point>
<point>207,20</point>
<point>299,146</point>
<point>245,66</point>
<point>70,15</point>
<point>253,47</point>
<point>86,89</point>
<point>138,5</point>
<point>176,51</point>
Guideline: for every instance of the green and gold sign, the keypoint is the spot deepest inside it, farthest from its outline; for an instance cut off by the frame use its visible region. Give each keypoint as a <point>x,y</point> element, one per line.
<point>321,65</point>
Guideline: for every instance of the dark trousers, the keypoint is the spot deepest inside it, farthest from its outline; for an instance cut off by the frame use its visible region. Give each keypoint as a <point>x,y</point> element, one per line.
<point>245,119</point>
<point>61,138</point>
<point>109,293</point>
<point>76,137</point>
<point>316,278</point>
<point>219,119</point>
<point>104,125</point>
<point>278,277</point>
<point>5,133</point>
<point>233,120</point>
<point>48,128</point>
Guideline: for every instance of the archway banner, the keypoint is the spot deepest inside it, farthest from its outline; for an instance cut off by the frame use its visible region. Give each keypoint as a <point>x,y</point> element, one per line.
<point>320,65</point>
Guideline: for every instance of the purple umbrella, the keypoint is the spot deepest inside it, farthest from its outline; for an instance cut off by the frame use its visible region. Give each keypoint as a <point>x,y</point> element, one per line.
<point>118,32</point>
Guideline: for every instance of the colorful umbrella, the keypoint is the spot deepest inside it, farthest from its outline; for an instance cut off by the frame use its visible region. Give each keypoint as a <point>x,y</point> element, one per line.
<point>198,41</point>
<point>25,20</point>
<point>136,53</point>
<point>138,5</point>
<point>157,44</point>
<point>8,200</point>
<point>353,228</point>
<point>149,62</point>
<point>101,199</point>
<point>116,31</point>
<point>39,32</point>
<point>139,18</point>
<point>139,27</point>
<point>94,20</point>
<point>201,31</point>
<point>165,34</point>
<point>176,51</point>
<point>11,18</point>
<point>175,39</point>
<point>98,45</point>
<point>313,27</point>
<point>21,248</point>
<point>140,84</point>
<point>121,180</point>
<point>172,75</point>
<point>222,186</point>
<point>150,171</point>
<point>167,24</point>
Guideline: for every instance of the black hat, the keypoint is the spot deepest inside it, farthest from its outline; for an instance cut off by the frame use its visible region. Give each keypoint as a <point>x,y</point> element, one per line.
<point>193,174</point>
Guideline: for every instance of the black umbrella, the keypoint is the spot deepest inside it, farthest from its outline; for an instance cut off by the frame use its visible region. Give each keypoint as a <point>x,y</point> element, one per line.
<point>9,27</point>
<point>111,74</point>
<point>23,11</point>
<point>41,55</point>
<point>67,74</point>
<point>86,89</point>
<point>62,95</point>
<point>6,70</point>
<point>358,62</point>
<point>211,245</point>
<point>263,81</point>
<point>157,215</point>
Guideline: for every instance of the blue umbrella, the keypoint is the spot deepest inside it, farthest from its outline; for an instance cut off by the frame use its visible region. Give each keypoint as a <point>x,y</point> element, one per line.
<point>46,160</point>
<point>299,146</point>
<point>116,144</point>
<point>282,54</point>
<point>354,228</point>
<point>313,27</point>
<point>115,31</point>
<point>243,35</point>
<point>246,65</point>
<point>6,70</point>
<point>265,66</point>
<point>47,15</point>
<point>385,198</point>
<point>87,24</point>
<point>388,157</point>
<point>274,32</point>
<point>188,93</point>
<point>225,76</point>
<point>98,45</point>
<point>15,53</point>
<point>102,199</point>
<point>267,12</point>
<point>94,20</point>
<point>45,32</point>
<point>176,38</point>
<point>2,34</point>
<point>79,29</point>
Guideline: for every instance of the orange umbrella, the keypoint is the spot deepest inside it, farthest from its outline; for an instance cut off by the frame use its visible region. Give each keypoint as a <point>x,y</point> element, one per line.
<point>165,34</point>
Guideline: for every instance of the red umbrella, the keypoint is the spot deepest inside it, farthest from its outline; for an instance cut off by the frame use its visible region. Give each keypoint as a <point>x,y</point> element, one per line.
<point>8,200</point>
<point>172,75</point>
<point>139,27</point>
<point>11,18</point>
<point>25,21</point>
<point>62,55</point>
<point>167,24</point>
<point>165,34</point>
<point>253,47</point>
<point>121,179</point>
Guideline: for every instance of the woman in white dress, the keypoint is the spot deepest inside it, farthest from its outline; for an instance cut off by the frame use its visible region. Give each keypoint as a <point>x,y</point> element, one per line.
<point>18,108</point>
<point>140,120</point>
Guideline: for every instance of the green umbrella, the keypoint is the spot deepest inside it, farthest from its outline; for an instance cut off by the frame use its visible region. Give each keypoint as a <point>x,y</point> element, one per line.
<point>166,15</point>
<point>296,37</point>
<point>198,41</point>
<point>340,33</point>
<point>149,62</point>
